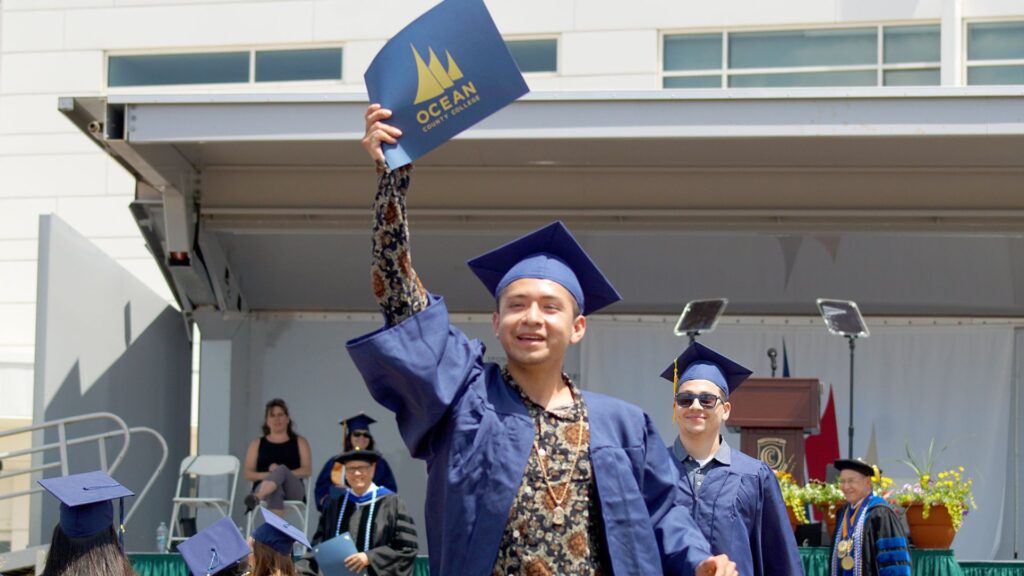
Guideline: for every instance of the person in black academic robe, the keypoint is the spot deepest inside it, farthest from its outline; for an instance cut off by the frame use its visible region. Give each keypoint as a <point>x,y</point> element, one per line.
<point>355,432</point>
<point>734,498</point>
<point>375,517</point>
<point>869,539</point>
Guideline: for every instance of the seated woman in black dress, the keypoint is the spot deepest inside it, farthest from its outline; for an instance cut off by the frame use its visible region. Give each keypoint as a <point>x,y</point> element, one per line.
<point>277,462</point>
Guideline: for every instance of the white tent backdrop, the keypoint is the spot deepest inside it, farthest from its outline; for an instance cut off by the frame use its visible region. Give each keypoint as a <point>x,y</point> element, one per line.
<point>949,382</point>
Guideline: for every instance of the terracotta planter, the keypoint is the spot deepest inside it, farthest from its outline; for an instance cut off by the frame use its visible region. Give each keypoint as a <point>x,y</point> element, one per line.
<point>829,519</point>
<point>935,531</point>
<point>793,522</point>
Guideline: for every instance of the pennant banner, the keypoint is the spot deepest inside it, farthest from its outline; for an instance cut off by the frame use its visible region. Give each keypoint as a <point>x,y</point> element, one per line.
<point>443,73</point>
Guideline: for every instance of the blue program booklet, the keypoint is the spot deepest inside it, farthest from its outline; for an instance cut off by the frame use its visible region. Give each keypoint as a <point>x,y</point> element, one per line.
<point>330,555</point>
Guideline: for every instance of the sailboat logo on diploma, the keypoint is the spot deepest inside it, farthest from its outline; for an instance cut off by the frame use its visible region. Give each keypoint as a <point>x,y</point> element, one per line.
<point>446,88</point>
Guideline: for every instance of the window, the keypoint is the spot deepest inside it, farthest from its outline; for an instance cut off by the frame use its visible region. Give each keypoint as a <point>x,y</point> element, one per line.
<point>535,55</point>
<point>869,56</point>
<point>291,65</point>
<point>239,67</point>
<point>995,53</point>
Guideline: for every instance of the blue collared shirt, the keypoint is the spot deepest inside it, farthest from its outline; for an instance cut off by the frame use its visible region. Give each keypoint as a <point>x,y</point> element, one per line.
<point>694,471</point>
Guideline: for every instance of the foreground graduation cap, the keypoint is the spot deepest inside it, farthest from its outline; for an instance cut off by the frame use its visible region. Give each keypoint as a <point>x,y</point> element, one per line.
<point>278,534</point>
<point>86,508</point>
<point>698,362</point>
<point>550,253</point>
<point>443,73</point>
<point>358,422</point>
<point>218,546</point>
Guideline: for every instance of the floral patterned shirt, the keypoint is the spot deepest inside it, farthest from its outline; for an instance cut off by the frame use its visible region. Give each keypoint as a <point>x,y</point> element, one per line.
<point>533,544</point>
<point>396,285</point>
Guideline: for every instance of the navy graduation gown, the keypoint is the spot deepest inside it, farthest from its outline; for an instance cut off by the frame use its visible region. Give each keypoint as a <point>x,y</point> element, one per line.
<point>456,412</point>
<point>884,549</point>
<point>382,477</point>
<point>740,511</point>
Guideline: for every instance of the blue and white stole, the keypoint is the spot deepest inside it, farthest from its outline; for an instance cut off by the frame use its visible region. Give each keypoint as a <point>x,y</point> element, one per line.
<point>372,494</point>
<point>857,522</point>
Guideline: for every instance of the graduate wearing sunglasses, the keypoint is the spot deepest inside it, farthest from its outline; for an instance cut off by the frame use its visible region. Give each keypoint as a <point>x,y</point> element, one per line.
<point>735,499</point>
<point>355,433</point>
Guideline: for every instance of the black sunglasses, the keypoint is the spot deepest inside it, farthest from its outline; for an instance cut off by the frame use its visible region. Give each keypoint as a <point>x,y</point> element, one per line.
<point>707,400</point>
<point>360,434</point>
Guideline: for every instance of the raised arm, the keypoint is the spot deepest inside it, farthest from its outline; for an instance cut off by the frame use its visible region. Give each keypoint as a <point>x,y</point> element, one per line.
<point>396,285</point>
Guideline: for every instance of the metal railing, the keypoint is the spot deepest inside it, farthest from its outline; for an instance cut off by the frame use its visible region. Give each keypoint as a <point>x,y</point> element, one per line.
<point>63,443</point>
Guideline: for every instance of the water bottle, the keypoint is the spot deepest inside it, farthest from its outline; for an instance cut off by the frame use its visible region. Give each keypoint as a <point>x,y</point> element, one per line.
<point>161,538</point>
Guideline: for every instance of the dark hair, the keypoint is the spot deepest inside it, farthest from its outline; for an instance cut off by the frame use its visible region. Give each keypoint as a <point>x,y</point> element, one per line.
<point>277,403</point>
<point>96,555</point>
<point>267,562</point>
<point>240,568</point>
<point>348,440</point>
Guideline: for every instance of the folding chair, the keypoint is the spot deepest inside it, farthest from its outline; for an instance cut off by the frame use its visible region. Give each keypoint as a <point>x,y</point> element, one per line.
<point>206,465</point>
<point>300,508</point>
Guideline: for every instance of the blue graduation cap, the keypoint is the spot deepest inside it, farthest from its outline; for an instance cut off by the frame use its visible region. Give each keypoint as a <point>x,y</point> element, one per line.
<point>698,362</point>
<point>216,547</point>
<point>441,74</point>
<point>278,534</point>
<point>358,422</point>
<point>85,502</point>
<point>550,253</point>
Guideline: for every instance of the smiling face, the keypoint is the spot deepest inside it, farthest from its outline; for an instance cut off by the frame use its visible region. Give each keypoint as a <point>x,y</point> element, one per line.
<point>854,485</point>
<point>536,322</point>
<point>359,475</point>
<point>694,420</point>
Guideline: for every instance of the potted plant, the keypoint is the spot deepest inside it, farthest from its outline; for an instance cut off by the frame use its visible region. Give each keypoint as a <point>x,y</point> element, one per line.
<point>794,498</point>
<point>827,499</point>
<point>935,504</point>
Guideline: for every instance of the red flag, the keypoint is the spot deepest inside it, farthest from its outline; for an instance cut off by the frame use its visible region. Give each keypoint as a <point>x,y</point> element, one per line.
<point>823,448</point>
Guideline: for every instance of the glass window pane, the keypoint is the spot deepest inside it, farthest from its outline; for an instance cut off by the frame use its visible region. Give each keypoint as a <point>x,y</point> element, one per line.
<point>165,69</point>
<point>995,41</point>
<point>535,55</point>
<point>692,82</point>
<point>803,48</point>
<point>929,77</point>
<point>856,78</point>
<point>693,52</point>
<point>911,44</point>
<point>995,75</point>
<point>282,65</point>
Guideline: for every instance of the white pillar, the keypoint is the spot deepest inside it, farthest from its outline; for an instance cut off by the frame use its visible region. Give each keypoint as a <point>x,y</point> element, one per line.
<point>952,43</point>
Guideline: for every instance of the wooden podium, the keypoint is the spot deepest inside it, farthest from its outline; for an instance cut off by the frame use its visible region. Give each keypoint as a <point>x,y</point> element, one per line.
<point>772,415</point>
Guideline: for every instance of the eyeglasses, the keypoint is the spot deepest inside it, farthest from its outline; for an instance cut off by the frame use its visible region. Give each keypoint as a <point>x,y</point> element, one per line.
<point>707,400</point>
<point>360,434</point>
<point>358,469</point>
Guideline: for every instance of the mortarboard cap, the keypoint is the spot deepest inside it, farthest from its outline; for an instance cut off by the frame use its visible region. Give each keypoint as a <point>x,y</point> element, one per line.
<point>550,253</point>
<point>278,534</point>
<point>698,362</point>
<point>216,547</point>
<point>358,422</point>
<point>86,507</point>
<point>370,456</point>
<point>857,465</point>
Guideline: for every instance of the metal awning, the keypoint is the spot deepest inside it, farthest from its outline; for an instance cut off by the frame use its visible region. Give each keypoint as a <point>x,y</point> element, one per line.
<point>278,186</point>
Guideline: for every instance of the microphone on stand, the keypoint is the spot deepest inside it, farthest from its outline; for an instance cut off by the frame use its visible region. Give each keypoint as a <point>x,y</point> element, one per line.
<point>773,355</point>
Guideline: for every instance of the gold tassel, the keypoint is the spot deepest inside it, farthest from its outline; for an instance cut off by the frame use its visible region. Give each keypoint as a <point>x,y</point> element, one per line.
<point>675,386</point>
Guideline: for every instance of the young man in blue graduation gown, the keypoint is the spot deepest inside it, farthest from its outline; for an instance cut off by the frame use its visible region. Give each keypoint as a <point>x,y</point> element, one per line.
<point>735,499</point>
<point>526,473</point>
<point>869,539</point>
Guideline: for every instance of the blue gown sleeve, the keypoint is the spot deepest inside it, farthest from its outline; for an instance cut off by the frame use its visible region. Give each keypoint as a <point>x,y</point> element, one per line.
<point>385,477</point>
<point>417,369</point>
<point>323,484</point>
<point>680,541</point>
<point>778,550</point>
